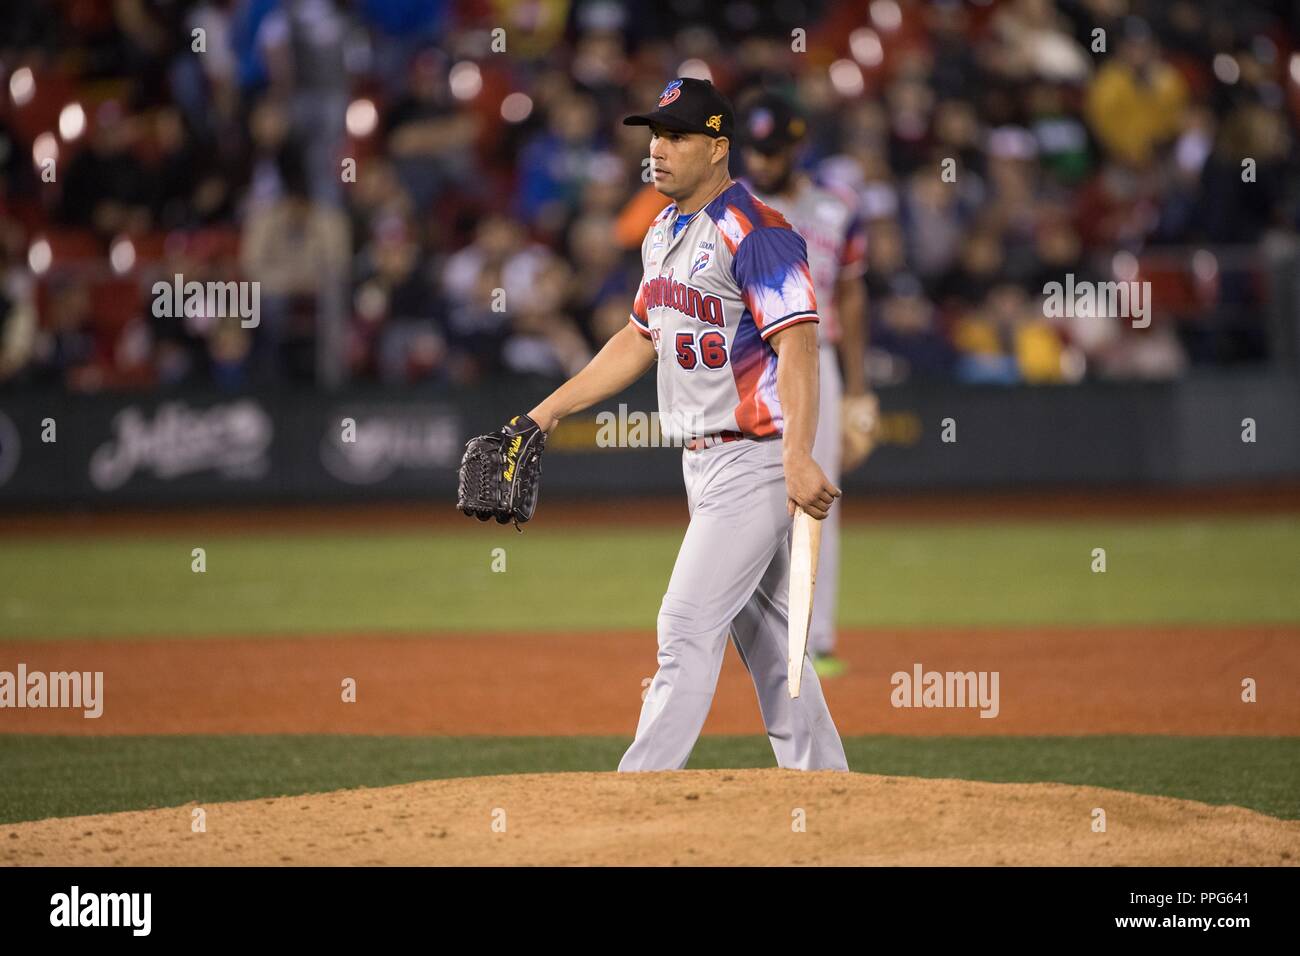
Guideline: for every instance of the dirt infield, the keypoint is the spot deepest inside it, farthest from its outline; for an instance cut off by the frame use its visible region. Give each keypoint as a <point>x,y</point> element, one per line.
<point>1169,680</point>
<point>697,817</point>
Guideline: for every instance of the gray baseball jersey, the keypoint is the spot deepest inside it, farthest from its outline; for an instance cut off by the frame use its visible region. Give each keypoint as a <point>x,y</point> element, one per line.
<point>710,299</point>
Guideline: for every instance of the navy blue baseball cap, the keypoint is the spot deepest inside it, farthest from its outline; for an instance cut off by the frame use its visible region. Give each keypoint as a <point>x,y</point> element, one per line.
<point>771,122</point>
<point>690,106</point>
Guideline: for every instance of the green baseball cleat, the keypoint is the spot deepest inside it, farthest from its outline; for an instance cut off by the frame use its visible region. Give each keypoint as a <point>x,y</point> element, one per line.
<point>828,666</point>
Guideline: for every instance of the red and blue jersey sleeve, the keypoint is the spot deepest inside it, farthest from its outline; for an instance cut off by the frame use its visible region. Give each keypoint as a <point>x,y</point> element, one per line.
<point>638,316</point>
<point>771,268</point>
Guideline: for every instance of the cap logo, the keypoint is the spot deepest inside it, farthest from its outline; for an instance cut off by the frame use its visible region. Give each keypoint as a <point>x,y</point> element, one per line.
<point>714,123</point>
<point>761,124</point>
<point>670,93</point>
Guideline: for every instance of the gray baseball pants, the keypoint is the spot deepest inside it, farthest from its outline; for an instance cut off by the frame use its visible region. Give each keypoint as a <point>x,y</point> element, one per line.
<point>731,577</point>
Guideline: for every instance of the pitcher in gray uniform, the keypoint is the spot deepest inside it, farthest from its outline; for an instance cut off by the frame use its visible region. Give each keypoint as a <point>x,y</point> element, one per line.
<point>828,220</point>
<point>727,312</point>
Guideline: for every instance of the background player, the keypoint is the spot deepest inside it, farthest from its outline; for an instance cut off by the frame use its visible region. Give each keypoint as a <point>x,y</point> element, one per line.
<point>727,312</point>
<point>828,220</point>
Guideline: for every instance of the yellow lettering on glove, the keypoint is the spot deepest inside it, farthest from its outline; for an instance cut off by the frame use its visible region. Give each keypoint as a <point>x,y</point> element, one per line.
<point>512,458</point>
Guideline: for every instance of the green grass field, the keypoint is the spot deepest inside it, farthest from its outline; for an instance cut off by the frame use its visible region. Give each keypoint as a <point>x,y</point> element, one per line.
<point>1209,571</point>
<point>64,776</point>
<point>1228,571</point>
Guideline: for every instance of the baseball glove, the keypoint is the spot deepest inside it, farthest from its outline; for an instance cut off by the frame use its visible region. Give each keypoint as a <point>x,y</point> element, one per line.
<point>500,473</point>
<point>860,418</point>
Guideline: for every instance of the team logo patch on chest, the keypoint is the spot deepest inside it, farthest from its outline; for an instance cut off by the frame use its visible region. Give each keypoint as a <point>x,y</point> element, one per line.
<point>702,259</point>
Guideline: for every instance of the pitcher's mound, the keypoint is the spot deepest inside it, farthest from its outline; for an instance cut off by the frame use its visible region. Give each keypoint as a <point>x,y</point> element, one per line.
<point>715,817</point>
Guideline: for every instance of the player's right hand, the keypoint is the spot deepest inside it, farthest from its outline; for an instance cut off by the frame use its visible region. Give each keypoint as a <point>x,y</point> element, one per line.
<point>807,487</point>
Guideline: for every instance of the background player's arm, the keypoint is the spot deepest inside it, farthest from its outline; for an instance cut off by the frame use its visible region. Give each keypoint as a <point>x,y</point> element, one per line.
<point>797,387</point>
<point>859,409</point>
<point>851,310</point>
<point>851,305</point>
<point>623,360</point>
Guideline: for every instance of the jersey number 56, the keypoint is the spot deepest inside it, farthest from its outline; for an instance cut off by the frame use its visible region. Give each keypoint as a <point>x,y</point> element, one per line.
<point>710,348</point>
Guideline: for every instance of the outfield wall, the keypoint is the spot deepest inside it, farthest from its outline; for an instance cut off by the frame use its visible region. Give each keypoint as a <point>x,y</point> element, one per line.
<point>197,447</point>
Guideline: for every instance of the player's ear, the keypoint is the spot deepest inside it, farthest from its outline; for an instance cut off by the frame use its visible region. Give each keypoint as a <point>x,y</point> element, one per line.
<point>721,147</point>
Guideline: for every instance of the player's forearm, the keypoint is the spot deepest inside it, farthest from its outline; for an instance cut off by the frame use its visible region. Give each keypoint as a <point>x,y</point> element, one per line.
<point>851,309</point>
<point>797,387</point>
<point>623,360</point>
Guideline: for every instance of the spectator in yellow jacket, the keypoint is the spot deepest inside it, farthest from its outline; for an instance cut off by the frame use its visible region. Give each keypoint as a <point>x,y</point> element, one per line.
<point>1136,101</point>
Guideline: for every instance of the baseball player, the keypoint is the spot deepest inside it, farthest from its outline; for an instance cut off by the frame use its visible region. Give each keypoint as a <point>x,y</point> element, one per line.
<point>771,130</point>
<point>727,313</point>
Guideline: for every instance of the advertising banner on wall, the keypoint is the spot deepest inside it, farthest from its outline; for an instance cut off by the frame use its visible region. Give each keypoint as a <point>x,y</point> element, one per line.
<point>60,450</point>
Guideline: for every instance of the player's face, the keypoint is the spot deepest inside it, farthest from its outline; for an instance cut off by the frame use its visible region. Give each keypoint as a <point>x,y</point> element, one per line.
<point>679,162</point>
<point>768,172</point>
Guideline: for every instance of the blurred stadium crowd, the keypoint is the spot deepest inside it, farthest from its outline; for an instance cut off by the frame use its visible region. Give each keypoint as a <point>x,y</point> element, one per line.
<point>493,223</point>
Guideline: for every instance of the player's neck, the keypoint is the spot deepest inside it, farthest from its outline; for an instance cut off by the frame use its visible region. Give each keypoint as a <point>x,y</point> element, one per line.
<point>707,192</point>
